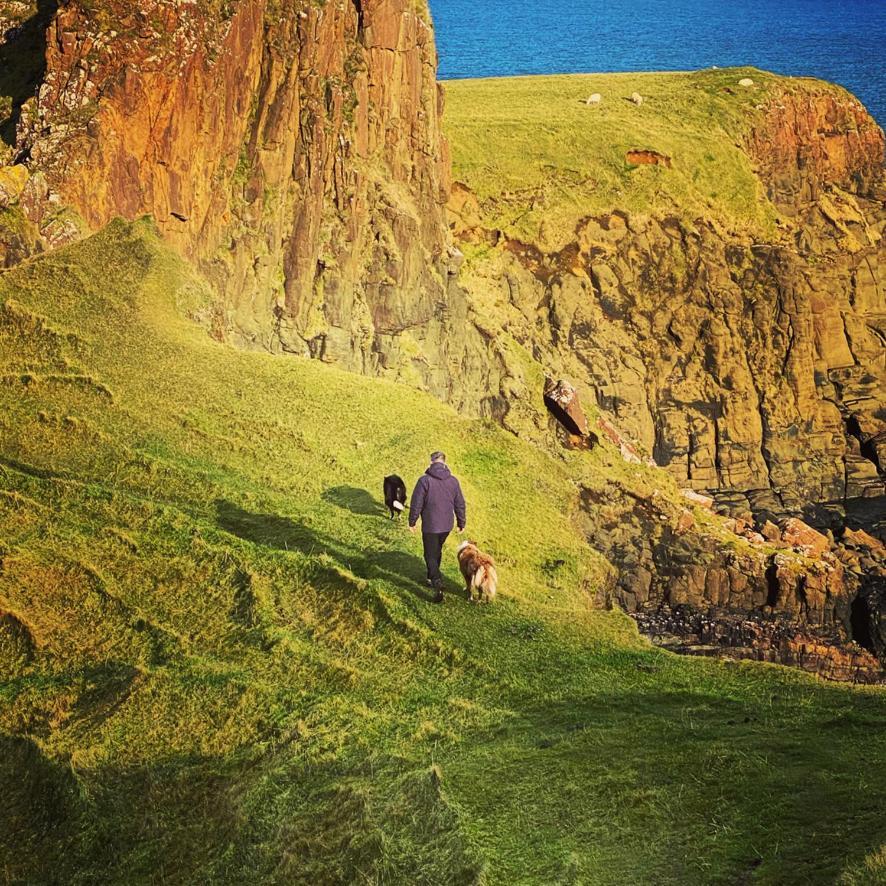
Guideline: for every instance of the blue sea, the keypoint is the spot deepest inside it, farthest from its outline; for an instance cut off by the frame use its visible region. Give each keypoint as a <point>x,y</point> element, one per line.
<point>839,40</point>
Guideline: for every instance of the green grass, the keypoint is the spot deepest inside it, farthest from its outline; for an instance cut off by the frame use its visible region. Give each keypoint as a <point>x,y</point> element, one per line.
<point>218,664</point>
<point>540,160</point>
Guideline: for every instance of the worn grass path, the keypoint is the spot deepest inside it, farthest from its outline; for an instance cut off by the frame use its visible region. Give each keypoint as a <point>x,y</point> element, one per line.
<point>217,662</point>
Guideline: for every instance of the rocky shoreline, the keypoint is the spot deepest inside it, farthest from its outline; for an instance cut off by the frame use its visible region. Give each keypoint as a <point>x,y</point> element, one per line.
<point>727,634</point>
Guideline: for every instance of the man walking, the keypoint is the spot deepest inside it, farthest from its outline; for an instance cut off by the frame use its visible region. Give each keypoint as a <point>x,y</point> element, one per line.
<point>437,499</point>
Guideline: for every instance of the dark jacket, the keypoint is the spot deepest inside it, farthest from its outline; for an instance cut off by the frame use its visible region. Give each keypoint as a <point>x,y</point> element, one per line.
<point>437,496</point>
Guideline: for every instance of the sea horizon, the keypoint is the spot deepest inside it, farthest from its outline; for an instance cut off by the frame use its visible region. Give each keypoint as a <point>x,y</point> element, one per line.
<point>842,42</point>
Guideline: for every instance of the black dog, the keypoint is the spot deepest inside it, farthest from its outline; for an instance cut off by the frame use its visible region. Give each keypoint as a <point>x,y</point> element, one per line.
<point>395,495</point>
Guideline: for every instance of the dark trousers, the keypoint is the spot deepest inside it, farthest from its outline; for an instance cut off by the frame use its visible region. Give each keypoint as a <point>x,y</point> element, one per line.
<point>433,547</point>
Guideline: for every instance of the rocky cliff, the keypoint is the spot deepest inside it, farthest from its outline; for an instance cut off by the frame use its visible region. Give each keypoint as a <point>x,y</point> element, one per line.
<point>746,364</point>
<point>293,151</point>
<point>744,353</point>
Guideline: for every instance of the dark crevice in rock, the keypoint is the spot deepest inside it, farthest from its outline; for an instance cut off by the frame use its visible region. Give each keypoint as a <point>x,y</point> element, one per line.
<point>358,7</point>
<point>860,621</point>
<point>772,584</point>
<point>765,450</point>
<point>23,66</point>
<point>868,449</point>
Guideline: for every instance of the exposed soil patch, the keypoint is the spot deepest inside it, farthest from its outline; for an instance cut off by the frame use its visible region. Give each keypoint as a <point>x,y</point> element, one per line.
<point>648,158</point>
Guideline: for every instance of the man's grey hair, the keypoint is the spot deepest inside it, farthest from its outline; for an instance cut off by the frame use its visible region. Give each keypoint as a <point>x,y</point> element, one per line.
<point>438,456</point>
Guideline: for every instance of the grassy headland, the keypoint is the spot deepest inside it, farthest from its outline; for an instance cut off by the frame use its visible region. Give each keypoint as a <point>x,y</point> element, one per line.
<point>539,158</point>
<point>218,664</point>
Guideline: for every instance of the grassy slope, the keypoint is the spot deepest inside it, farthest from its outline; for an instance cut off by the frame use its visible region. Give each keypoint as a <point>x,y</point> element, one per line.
<point>540,159</point>
<point>236,677</point>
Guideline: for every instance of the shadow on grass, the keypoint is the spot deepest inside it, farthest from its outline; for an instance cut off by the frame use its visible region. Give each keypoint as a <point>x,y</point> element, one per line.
<point>39,815</point>
<point>398,568</point>
<point>29,470</point>
<point>269,530</point>
<point>222,819</point>
<point>410,568</point>
<point>357,501</point>
<point>123,826</point>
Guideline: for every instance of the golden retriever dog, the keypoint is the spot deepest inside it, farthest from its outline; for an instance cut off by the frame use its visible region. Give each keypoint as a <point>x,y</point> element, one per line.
<point>479,573</point>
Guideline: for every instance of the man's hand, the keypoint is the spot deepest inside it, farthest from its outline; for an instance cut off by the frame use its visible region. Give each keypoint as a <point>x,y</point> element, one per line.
<point>413,529</point>
<point>461,530</point>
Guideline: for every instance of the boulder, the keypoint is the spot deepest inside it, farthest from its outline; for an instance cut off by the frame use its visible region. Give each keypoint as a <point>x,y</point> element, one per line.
<point>562,402</point>
<point>770,531</point>
<point>800,535</point>
<point>859,540</point>
<point>703,501</point>
<point>636,99</point>
<point>594,99</point>
<point>746,82</point>
<point>742,526</point>
<point>685,522</point>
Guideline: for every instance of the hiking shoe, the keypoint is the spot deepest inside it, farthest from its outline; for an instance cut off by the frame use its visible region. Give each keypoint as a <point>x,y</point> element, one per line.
<point>438,597</point>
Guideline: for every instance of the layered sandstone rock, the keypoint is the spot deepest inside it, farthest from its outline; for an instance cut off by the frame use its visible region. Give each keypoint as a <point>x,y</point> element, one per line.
<point>808,141</point>
<point>724,634</point>
<point>720,590</point>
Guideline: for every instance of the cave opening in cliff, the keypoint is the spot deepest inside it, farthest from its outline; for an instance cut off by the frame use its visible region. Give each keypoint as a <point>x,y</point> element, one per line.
<point>22,68</point>
<point>860,623</point>
<point>868,450</point>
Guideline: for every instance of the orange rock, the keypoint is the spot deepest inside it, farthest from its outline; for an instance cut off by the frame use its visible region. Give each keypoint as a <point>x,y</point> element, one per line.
<point>251,134</point>
<point>860,539</point>
<point>804,142</point>
<point>770,532</point>
<point>685,522</point>
<point>648,158</point>
<point>798,534</point>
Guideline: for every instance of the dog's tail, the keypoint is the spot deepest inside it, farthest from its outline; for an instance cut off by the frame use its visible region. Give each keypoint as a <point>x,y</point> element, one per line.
<point>485,580</point>
<point>493,582</point>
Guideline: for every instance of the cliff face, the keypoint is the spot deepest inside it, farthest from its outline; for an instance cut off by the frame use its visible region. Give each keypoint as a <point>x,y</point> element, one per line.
<point>748,367</point>
<point>293,151</point>
<point>749,364</point>
<point>808,141</point>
